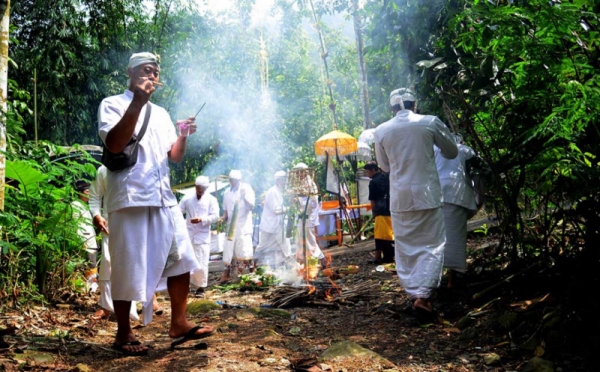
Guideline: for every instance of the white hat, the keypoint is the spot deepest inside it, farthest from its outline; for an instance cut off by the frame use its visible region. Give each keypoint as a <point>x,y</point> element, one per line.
<point>279,174</point>
<point>300,166</point>
<point>202,181</point>
<point>398,96</point>
<point>137,59</point>
<point>235,174</point>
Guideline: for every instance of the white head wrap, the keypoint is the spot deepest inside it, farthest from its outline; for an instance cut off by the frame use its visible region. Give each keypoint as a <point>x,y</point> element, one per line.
<point>235,174</point>
<point>202,181</point>
<point>279,174</point>
<point>399,96</point>
<point>137,59</point>
<point>300,166</point>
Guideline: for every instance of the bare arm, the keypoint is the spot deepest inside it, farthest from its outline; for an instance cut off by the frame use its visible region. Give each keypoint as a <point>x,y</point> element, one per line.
<point>178,149</point>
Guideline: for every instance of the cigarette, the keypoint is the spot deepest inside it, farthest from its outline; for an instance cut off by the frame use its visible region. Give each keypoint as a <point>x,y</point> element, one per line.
<point>157,83</point>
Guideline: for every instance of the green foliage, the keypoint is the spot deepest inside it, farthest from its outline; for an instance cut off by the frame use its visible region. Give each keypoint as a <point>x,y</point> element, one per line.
<point>40,245</point>
<point>520,81</point>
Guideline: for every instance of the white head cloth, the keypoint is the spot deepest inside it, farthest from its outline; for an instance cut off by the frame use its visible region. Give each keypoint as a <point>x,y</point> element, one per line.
<point>235,174</point>
<point>279,174</point>
<point>300,166</point>
<point>202,181</point>
<point>137,59</point>
<point>399,96</point>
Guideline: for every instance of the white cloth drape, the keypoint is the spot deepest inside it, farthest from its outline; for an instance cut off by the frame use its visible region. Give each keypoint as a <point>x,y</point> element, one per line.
<point>147,244</point>
<point>420,238</point>
<point>199,278</point>
<point>455,250</point>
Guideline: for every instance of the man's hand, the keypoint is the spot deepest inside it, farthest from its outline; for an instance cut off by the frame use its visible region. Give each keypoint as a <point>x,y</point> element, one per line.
<point>101,224</point>
<point>143,90</point>
<point>196,220</point>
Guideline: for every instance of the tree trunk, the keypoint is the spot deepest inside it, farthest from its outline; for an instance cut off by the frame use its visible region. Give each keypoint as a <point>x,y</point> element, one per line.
<point>5,11</point>
<point>360,46</point>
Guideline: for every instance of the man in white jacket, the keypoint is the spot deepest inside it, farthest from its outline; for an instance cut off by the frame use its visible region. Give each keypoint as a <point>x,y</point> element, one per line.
<point>274,247</point>
<point>201,210</point>
<point>404,148</point>
<point>238,203</point>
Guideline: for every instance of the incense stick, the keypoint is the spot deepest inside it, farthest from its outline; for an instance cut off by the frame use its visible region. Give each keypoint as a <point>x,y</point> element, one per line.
<point>199,110</point>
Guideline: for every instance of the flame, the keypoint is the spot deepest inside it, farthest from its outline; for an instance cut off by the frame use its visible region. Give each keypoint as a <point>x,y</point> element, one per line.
<point>311,289</point>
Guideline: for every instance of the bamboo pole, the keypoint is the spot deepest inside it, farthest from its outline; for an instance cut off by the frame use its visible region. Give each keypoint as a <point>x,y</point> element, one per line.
<point>5,23</point>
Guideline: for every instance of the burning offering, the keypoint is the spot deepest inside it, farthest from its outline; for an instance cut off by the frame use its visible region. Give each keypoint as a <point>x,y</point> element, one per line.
<point>323,293</point>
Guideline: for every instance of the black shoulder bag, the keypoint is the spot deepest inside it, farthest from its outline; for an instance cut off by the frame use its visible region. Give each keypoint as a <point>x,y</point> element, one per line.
<point>128,157</point>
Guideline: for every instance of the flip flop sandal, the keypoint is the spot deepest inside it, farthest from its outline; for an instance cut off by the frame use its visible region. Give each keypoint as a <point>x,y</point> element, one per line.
<point>159,311</point>
<point>121,348</point>
<point>191,335</point>
<point>198,346</point>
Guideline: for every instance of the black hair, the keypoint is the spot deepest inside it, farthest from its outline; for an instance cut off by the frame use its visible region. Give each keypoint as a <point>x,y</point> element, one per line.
<point>409,105</point>
<point>372,165</point>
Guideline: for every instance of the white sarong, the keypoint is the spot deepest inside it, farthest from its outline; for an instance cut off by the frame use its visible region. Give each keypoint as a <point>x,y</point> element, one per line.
<point>147,244</point>
<point>104,282</point>
<point>199,277</point>
<point>420,237</point>
<point>455,250</point>
<point>272,250</point>
<point>240,248</point>
<point>311,243</point>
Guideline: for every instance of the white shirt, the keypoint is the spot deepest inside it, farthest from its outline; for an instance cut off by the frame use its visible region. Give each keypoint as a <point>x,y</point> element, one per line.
<point>404,148</point>
<point>243,224</point>
<point>85,230</point>
<point>271,222</point>
<point>456,185</point>
<point>147,182</point>
<point>206,208</point>
<point>97,191</point>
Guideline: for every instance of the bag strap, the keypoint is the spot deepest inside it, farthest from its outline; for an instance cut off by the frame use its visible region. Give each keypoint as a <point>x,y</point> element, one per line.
<point>146,120</point>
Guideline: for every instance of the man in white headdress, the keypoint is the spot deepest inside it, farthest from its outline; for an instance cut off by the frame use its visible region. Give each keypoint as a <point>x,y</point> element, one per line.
<point>404,148</point>
<point>306,234</point>
<point>97,191</point>
<point>274,247</point>
<point>201,210</point>
<point>459,206</point>
<point>238,203</point>
<point>149,239</point>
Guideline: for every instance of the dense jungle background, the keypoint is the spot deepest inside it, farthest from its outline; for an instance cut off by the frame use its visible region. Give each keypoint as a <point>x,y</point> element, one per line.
<point>517,79</point>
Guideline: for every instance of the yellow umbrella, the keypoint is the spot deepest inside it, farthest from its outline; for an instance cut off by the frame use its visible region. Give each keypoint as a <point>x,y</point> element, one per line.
<point>336,143</point>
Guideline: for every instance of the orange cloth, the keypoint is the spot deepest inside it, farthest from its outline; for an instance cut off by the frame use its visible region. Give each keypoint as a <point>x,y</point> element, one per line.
<point>383,228</point>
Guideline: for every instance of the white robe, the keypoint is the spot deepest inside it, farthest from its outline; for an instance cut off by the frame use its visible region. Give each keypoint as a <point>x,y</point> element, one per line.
<point>241,247</point>
<point>404,148</point>
<point>206,208</point>
<point>459,203</point>
<point>149,240</point>
<point>312,220</point>
<point>273,248</point>
<point>97,191</point>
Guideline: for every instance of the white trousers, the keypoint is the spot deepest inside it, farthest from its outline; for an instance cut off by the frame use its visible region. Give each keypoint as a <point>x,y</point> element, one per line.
<point>420,237</point>
<point>455,250</point>
<point>199,277</point>
<point>147,244</point>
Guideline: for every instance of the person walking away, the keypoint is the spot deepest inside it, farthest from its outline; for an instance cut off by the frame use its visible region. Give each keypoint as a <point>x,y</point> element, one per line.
<point>149,240</point>
<point>404,148</point>
<point>85,231</point>
<point>274,248</point>
<point>238,203</point>
<point>306,235</point>
<point>459,206</point>
<point>201,210</point>
<point>379,195</point>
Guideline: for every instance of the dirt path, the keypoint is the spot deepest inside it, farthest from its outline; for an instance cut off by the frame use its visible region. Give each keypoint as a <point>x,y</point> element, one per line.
<point>247,341</point>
